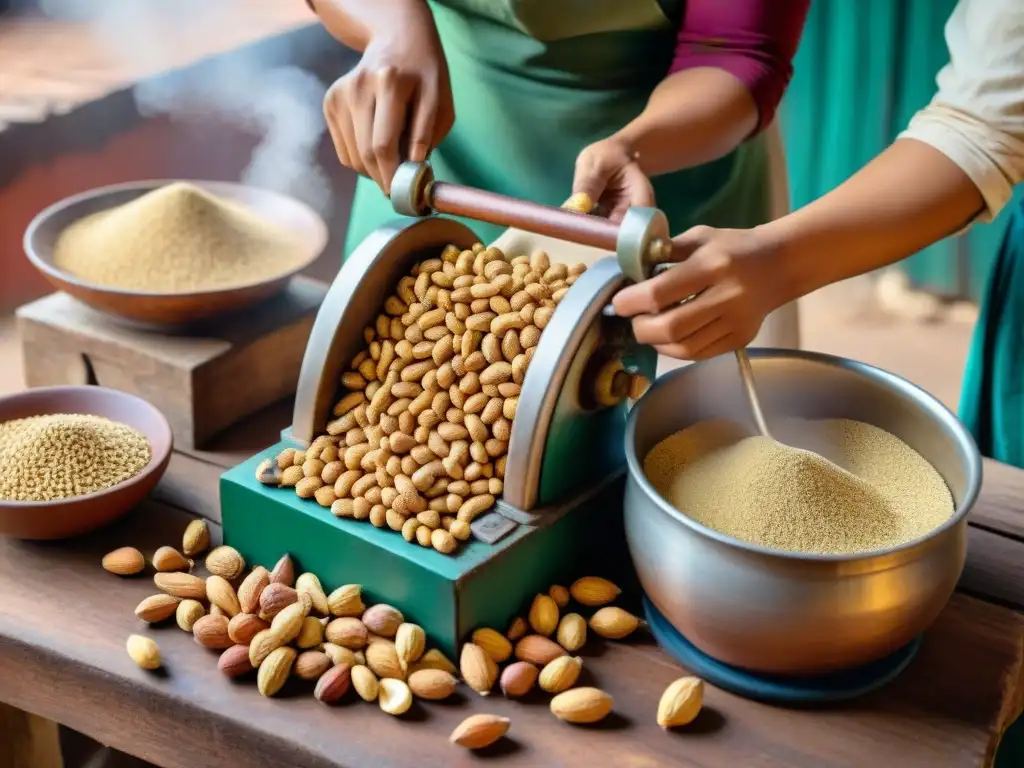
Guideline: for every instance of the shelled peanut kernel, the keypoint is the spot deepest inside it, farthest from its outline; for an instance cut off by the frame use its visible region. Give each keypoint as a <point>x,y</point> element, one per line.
<point>422,425</point>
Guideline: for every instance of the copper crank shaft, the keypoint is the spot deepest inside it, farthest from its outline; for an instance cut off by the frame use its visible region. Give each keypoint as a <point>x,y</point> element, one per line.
<point>640,242</point>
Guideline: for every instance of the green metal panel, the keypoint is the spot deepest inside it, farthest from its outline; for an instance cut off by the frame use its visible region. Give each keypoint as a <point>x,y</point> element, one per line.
<point>574,545</point>
<point>597,436</point>
<point>265,523</point>
<point>863,69</point>
<point>448,595</point>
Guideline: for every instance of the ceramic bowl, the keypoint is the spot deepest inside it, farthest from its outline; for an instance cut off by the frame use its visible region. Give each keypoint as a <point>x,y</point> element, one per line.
<point>170,310</point>
<point>77,515</point>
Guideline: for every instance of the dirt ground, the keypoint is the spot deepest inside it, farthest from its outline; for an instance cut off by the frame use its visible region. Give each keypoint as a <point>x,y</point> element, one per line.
<point>839,320</point>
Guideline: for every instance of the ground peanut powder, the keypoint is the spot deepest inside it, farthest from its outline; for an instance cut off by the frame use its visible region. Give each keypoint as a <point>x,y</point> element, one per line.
<point>58,456</point>
<point>881,493</point>
<point>176,239</point>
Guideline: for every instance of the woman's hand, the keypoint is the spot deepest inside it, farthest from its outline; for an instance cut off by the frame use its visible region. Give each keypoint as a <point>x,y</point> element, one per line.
<point>736,278</point>
<point>608,171</point>
<point>396,104</point>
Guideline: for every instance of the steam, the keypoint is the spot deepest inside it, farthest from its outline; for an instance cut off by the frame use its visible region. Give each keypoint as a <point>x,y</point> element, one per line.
<point>281,105</point>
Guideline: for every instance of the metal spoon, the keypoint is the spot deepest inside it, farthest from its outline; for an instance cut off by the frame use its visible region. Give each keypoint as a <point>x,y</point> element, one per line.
<point>747,375</point>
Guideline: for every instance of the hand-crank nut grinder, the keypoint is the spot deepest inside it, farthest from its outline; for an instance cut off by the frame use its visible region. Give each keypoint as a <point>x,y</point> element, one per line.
<point>585,366</point>
<point>566,450</point>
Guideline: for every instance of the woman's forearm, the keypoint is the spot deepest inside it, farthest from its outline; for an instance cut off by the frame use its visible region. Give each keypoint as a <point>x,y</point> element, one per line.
<point>731,66</point>
<point>355,23</point>
<point>907,198</point>
<point>694,116</point>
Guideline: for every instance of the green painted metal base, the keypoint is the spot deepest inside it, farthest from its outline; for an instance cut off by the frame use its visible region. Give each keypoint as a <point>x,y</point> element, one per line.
<point>450,596</point>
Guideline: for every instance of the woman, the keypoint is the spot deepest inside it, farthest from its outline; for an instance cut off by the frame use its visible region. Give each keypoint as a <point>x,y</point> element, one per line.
<point>956,163</point>
<point>509,95</point>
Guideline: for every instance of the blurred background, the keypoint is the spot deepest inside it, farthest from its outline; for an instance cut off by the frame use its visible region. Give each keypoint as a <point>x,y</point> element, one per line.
<point>94,92</point>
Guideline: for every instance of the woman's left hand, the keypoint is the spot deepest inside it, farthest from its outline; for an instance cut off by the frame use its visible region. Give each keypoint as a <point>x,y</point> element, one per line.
<point>609,173</point>
<point>736,279</point>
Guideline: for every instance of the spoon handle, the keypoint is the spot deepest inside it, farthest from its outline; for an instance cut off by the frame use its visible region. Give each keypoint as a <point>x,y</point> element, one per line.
<point>747,375</point>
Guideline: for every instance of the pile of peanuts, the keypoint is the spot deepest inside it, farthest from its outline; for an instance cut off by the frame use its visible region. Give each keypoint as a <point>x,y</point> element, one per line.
<point>421,431</point>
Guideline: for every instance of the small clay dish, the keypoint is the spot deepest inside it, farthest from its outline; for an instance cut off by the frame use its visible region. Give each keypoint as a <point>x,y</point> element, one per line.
<point>162,311</point>
<point>79,514</point>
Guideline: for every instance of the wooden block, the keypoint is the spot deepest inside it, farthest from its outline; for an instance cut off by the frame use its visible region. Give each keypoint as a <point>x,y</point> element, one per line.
<point>203,382</point>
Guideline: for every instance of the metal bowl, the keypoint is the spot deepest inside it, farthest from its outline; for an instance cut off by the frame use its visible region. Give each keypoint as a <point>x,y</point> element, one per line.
<point>63,518</point>
<point>791,613</point>
<point>170,310</point>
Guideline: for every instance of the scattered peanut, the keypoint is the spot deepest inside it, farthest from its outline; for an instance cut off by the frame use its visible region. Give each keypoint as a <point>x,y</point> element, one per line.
<point>338,642</point>
<point>681,702</point>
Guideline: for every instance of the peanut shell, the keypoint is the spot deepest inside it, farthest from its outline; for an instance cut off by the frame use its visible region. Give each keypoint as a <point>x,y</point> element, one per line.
<point>126,561</point>
<point>365,683</point>
<point>333,684</point>
<point>478,668</point>
<point>196,538</point>
<point>144,652</point>
<point>274,671</point>
<point>593,591</point>
<point>183,585</point>
<point>168,559</point>
<point>496,645</point>
<point>157,608</point>
<point>188,613</point>
<point>234,661</point>
<point>394,696</point>
<point>613,623</point>
<point>518,678</point>
<point>681,702</point>
<point>311,665</point>
<point>225,561</point>
<point>212,632</point>
<point>560,674</point>
<point>479,731</point>
<point>432,684</point>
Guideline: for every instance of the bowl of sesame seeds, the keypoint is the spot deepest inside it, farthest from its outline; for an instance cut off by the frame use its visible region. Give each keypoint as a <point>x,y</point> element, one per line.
<point>74,458</point>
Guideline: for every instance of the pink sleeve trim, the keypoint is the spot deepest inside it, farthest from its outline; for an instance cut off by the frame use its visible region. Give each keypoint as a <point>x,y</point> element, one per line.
<point>754,40</point>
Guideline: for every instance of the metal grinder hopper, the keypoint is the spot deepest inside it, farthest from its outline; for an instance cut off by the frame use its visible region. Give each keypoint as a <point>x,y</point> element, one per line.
<point>567,436</point>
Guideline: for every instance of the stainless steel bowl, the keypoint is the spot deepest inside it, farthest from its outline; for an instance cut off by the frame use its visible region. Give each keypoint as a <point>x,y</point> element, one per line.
<point>792,613</point>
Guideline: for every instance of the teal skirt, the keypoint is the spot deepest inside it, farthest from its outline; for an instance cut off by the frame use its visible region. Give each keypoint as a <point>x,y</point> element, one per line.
<point>992,399</point>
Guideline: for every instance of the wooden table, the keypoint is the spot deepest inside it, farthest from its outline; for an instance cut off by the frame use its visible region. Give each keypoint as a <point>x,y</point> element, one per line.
<point>63,624</point>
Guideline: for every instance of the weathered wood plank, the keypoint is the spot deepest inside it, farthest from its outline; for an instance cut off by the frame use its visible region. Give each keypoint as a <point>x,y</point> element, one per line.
<point>63,622</point>
<point>1000,506</point>
<point>995,568</point>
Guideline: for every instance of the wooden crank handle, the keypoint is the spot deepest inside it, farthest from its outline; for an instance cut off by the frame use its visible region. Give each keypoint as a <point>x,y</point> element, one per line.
<point>640,242</point>
<point>540,219</point>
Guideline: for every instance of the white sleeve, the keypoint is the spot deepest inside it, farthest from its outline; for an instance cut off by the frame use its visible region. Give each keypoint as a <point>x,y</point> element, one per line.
<point>976,118</point>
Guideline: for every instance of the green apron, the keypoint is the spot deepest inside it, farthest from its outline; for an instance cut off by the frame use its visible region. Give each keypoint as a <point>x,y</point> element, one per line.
<point>992,399</point>
<point>536,81</point>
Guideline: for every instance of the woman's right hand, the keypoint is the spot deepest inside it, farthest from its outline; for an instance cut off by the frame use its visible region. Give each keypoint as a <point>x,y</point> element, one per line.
<point>395,105</point>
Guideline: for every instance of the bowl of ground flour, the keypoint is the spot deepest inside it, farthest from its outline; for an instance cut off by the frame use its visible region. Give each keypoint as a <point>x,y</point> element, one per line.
<point>826,550</point>
<point>171,253</point>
